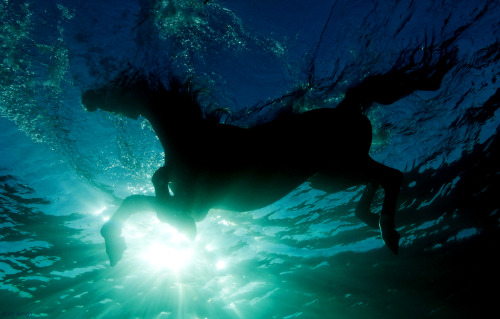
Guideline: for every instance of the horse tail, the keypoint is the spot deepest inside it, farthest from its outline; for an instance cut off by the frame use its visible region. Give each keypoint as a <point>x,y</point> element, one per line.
<point>400,81</point>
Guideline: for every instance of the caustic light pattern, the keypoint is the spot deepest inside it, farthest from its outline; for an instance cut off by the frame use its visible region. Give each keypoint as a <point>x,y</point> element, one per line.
<point>64,171</point>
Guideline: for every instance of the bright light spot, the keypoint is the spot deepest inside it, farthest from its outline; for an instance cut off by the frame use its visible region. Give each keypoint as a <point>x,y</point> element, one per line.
<point>132,232</point>
<point>157,246</point>
<point>164,314</point>
<point>162,256</point>
<point>177,237</point>
<point>220,265</point>
<point>227,223</point>
<point>100,211</point>
<point>105,218</point>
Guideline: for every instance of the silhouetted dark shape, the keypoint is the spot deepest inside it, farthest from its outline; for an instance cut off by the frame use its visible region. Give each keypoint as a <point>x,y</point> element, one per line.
<point>211,165</point>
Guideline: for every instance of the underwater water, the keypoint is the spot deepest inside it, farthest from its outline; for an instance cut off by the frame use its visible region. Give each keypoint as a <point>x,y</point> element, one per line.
<point>64,171</point>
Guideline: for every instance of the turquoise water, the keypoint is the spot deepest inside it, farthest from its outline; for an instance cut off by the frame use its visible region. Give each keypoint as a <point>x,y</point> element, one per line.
<point>64,171</point>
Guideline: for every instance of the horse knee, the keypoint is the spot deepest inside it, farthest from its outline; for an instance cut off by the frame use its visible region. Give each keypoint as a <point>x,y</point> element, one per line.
<point>137,203</point>
<point>132,201</point>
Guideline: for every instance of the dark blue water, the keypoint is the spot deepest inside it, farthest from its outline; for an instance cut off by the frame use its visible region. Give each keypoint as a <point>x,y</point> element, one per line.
<point>63,171</point>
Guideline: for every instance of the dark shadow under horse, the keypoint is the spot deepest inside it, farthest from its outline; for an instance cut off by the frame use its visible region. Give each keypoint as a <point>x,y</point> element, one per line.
<point>212,165</point>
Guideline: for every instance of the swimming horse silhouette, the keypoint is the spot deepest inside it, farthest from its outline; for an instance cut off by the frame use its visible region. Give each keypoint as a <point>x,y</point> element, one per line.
<point>211,165</point>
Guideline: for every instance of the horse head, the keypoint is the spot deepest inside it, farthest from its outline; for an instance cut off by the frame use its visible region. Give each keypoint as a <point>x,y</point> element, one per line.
<point>114,100</point>
<point>133,96</point>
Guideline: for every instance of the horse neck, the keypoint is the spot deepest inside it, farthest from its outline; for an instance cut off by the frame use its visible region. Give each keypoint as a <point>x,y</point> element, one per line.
<point>173,129</point>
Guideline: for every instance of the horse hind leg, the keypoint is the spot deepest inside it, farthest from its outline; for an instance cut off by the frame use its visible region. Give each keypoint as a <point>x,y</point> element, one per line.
<point>390,179</point>
<point>363,211</point>
<point>328,181</point>
<point>367,171</point>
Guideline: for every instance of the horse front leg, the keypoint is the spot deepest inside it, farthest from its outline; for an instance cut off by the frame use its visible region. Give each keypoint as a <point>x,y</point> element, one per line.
<point>171,208</point>
<point>112,229</point>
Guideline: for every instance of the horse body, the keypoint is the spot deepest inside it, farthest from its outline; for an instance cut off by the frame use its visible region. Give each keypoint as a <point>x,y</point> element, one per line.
<point>242,169</point>
<point>210,165</point>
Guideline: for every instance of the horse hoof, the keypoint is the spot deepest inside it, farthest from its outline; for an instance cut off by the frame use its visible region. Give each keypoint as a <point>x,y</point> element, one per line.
<point>115,244</point>
<point>389,235</point>
<point>391,240</point>
<point>114,248</point>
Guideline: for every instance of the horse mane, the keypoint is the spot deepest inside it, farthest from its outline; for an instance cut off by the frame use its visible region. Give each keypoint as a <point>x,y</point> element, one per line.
<point>180,100</point>
<point>139,93</point>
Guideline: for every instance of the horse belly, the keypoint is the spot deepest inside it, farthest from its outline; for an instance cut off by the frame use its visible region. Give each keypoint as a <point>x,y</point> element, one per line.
<point>334,136</point>
<point>254,189</point>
